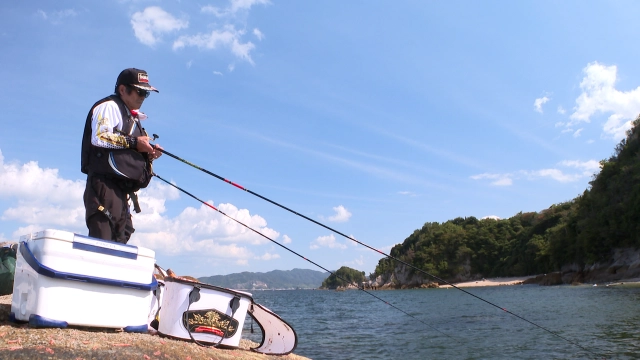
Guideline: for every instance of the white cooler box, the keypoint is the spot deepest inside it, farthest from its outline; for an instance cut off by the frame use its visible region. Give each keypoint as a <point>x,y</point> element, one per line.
<point>203,313</point>
<point>65,279</point>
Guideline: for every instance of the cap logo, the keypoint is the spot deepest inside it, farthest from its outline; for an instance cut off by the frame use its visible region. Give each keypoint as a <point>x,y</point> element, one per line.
<point>143,78</point>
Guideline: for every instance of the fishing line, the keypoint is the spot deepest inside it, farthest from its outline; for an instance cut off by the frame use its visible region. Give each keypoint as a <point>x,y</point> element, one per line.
<point>369,247</point>
<point>290,250</point>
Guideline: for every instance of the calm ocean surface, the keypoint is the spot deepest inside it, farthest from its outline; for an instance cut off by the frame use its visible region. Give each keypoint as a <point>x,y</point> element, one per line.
<point>354,325</point>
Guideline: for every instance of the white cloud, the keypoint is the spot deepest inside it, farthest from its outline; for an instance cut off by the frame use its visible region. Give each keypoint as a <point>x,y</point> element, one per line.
<point>151,23</point>
<point>258,34</point>
<point>585,169</point>
<point>590,166</point>
<point>577,133</point>
<point>386,249</point>
<point>189,63</point>
<point>326,241</point>
<point>228,37</point>
<point>198,230</point>
<point>217,73</point>
<point>358,262</point>
<point>494,217</point>
<point>498,179</point>
<point>407,193</point>
<point>537,104</point>
<point>341,215</point>
<point>561,110</point>
<point>599,95</point>
<point>57,17</point>
<point>24,230</point>
<point>237,5</point>
<point>41,196</point>
<point>225,33</point>
<point>234,7</point>
<point>35,198</point>
<point>554,174</point>
<point>210,9</point>
<point>267,257</point>
<point>286,239</point>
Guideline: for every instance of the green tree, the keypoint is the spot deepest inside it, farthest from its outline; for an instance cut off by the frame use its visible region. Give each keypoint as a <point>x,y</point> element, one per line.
<point>343,277</point>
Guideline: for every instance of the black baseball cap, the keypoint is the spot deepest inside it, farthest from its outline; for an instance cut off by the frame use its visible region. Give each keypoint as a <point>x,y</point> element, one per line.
<point>135,77</point>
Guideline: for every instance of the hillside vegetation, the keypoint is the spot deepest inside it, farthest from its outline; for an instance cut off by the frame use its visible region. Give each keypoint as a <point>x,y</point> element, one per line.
<point>579,232</point>
<point>343,277</point>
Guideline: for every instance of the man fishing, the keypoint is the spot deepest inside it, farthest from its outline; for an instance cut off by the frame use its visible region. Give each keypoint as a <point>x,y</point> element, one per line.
<point>117,156</point>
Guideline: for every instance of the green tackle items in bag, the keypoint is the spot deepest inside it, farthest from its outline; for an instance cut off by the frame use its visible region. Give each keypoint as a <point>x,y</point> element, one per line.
<point>7,269</point>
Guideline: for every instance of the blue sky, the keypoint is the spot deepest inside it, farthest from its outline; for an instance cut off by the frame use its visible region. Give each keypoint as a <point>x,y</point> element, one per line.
<point>372,117</point>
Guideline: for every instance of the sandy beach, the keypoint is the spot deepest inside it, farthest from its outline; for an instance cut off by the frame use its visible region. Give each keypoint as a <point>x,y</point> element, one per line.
<point>492,282</point>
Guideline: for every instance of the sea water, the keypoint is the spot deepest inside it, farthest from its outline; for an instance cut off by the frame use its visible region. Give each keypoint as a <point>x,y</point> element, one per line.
<point>575,322</point>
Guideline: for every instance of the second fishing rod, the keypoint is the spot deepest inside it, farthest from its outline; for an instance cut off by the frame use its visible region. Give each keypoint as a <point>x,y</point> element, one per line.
<point>372,248</point>
<point>291,251</point>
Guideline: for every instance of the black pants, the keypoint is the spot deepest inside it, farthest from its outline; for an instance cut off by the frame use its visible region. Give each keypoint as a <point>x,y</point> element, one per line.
<point>101,191</point>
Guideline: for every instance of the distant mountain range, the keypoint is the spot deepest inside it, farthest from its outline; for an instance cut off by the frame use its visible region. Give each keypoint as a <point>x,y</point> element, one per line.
<point>276,279</point>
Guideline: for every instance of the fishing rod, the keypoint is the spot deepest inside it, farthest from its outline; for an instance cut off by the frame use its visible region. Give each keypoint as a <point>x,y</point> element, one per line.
<point>369,247</point>
<point>288,249</point>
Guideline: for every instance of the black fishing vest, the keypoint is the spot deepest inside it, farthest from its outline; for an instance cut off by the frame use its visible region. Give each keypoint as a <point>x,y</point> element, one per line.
<point>130,168</point>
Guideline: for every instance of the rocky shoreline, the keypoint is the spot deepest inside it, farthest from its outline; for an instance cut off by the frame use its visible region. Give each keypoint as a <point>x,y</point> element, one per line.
<point>623,267</point>
<point>20,341</point>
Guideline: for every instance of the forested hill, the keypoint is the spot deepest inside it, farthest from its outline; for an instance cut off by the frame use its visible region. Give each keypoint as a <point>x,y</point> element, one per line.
<point>276,279</point>
<point>343,277</point>
<point>579,232</point>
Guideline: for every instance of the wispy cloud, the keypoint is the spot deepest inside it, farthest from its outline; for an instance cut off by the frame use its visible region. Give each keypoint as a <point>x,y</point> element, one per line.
<point>555,174</point>
<point>585,169</point>
<point>435,151</point>
<point>386,249</point>
<point>407,193</point>
<point>496,179</point>
<point>355,263</point>
<point>258,34</point>
<point>376,170</point>
<point>599,95</point>
<point>228,34</point>
<point>225,32</point>
<point>228,37</point>
<point>537,104</point>
<point>57,17</point>
<point>589,167</point>
<point>267,256</point>
<point>150,24</point>
<point>234,7</point>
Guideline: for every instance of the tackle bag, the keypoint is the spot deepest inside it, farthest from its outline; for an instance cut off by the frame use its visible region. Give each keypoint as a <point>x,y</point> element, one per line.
<point>125,165</point>
<point>214,316</point>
